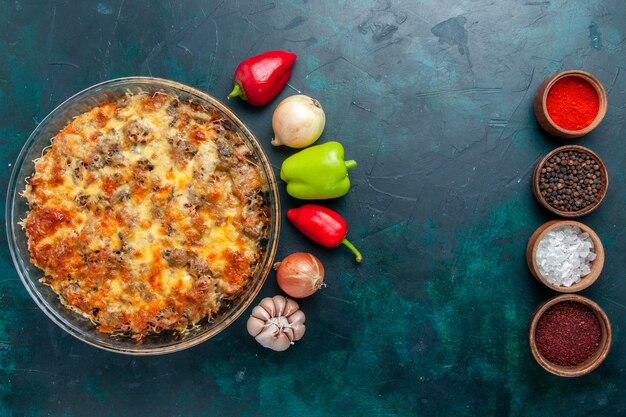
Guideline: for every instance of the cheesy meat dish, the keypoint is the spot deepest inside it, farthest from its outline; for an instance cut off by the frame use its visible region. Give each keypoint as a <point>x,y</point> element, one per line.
<point>147,214</point>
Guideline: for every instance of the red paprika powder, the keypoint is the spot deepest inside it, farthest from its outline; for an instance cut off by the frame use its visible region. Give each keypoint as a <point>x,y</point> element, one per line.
<point>572,103</point>
<point>568,333</point>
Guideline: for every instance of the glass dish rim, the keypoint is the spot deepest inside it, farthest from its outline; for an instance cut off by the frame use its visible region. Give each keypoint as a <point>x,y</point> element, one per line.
<point>100,342</point>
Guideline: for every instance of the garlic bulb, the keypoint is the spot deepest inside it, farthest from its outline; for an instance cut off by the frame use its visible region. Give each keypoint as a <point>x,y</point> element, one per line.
<point>276,323</point>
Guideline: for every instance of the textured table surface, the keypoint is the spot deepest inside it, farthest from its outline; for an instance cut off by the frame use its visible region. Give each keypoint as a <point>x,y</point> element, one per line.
<point>434,100</point>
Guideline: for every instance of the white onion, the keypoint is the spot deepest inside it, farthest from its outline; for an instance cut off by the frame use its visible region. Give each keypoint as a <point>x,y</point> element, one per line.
<point>300,274</point>
<point>298,121</point>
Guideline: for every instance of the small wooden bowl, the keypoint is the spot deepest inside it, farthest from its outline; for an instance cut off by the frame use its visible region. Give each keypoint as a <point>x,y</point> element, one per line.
<point>590,364</point>
<point>541,110</point>
<point>596,265</point>
<point>604,181</point>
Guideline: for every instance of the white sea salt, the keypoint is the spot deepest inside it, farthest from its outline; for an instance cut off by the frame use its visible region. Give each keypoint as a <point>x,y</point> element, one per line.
<point>564,255</point>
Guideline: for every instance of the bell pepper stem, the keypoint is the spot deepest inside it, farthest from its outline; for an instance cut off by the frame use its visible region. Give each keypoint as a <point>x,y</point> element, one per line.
<point>237,91</point>
<point>350,164</point>
<point>359,257</point>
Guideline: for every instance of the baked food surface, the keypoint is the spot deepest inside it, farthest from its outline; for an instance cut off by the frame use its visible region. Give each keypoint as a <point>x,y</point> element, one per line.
<point>147,214</point>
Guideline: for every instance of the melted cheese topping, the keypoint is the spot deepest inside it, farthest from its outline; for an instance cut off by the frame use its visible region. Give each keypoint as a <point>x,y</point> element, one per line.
<point>146,214</point>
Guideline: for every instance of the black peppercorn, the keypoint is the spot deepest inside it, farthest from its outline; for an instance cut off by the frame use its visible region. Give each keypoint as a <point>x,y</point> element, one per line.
<point>570,181</point>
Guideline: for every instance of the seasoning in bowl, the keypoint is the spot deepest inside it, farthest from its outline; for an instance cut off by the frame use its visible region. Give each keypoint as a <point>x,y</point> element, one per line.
<point>564,255</point>
<point>569,335</point>
<point>570,181</point>
<point>572,103</point>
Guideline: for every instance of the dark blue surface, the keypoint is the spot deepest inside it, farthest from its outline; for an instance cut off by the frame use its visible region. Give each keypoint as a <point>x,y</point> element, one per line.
<point>434,101</point>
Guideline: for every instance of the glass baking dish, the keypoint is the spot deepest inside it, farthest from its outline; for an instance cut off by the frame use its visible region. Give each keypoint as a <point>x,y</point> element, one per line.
<point>17,208</point>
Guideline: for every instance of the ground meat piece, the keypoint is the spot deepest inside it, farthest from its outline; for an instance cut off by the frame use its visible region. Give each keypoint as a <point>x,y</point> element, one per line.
<point>165,318</point>
<point>246,181</point>
<point>199,268</point>
<point>137,132</point>
<point>172,109</point>
<point>82,199</point>
<point>181,149</point>
<point>78,172</point>
<point>225,153</point>
<point>120,196</point>
<point>96,163</point>
<point>203,285</point>
<point>109,150</point>
<point>108,146</point>
<point>178,257</point>
<point>103,261</point>
<point>251,232</point>
<point>145,165</point>
<point>144,291</point>
<point>114,160</point>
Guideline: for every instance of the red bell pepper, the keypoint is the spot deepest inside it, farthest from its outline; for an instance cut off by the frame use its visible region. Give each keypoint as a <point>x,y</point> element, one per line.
<point>260,78</point>
<point>322,225</point>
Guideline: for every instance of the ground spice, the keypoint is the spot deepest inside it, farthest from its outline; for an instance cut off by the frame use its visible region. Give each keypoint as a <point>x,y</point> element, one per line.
<point>571,180</point>
<point>568,333</point>
<point>572,103</point>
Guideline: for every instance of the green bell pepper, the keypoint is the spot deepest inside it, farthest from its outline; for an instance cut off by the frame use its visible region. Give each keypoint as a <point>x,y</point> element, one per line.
<point>318,172</point>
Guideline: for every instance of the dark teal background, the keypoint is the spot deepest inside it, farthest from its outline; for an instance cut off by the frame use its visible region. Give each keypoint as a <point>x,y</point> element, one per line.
<point>434,101</point>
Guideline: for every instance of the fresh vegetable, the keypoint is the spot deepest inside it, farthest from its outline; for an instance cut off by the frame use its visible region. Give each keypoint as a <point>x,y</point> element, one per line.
<point>318,172</point>
<point>322,225</point>
<point>260,78</point>
<point>298,121</point>
<point>276,323</point>
<point>300,274</point>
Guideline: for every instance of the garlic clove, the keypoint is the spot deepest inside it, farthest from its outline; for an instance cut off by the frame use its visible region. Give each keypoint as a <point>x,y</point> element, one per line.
<point>274,339</point>
<point>292,307</point>
<point>296,321</point>
<point>289,333</point>
<point>281,342</point>
<point>267,337</point>
<point>261,313</point>
<point>255,325</point>
<point>268,304</point>
<point>298,332</point>
<point>296,318</point>
<point>280,303</point>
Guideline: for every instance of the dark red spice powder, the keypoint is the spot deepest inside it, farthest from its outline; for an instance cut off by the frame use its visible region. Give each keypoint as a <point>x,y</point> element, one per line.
<point>572,103</point>
<point>568,333</point>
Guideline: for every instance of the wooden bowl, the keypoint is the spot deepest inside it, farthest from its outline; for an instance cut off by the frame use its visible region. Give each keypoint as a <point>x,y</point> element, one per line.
<point>590,364</point>
<point>596,265</point>
<point>542,113</point>
<point>604,181</point>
